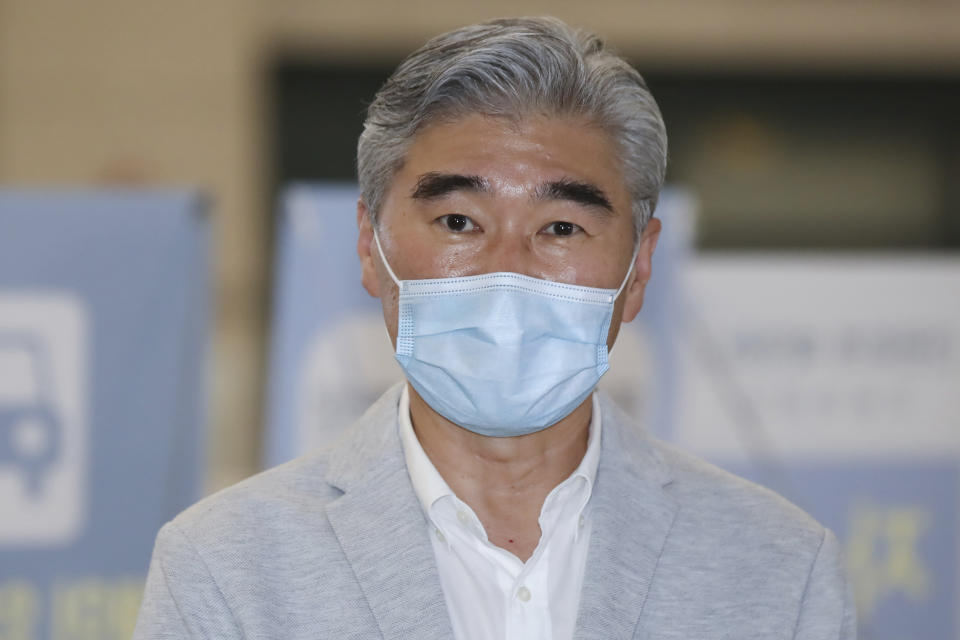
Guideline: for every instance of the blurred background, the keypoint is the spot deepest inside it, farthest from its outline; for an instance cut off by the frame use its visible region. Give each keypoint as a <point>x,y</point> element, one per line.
<point>178,195</point>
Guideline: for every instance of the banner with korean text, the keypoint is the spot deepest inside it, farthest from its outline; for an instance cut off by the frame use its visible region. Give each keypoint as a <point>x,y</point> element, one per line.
<point>835,380</point>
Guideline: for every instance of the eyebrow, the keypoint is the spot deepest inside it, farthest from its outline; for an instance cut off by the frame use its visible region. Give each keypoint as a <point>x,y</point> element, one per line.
<point>436,185</point>
<point>582,193</point>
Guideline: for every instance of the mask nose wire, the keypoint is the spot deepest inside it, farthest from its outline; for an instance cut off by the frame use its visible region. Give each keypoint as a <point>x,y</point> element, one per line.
<point>376,239</point>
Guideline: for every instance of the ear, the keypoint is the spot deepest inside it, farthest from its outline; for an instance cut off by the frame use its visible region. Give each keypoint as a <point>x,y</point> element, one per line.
<point>368,270</point>
<point>642,269</point>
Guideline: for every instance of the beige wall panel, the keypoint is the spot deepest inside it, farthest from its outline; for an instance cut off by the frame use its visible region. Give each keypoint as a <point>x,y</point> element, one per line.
<point>872,35</point>
<point>162,94</point>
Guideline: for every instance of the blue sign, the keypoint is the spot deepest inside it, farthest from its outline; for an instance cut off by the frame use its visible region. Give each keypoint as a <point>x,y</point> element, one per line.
<point>103,327</point>
<point>323,343</point>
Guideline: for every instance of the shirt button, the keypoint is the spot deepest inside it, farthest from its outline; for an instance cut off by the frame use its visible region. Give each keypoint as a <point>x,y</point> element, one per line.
<point>581,521</point>
<point>524,594</point>
<point>439,535</point>
<point>463,517</point>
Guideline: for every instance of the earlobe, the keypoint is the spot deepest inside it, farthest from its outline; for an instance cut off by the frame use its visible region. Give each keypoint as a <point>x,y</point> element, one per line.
<point>642,270</point>
<point>368,271</point>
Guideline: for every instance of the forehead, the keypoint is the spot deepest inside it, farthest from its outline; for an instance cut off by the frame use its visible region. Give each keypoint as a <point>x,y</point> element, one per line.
<point>516,153</point>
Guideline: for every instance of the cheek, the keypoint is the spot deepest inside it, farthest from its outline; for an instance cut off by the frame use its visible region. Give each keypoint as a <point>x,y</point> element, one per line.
<point>452,261</point>
<point>422,253</point>
<point>568,274</point>
<point>448,265</point>
<point>602,271</point>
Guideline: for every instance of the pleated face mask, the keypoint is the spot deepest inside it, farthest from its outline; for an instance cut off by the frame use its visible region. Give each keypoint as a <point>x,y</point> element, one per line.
<point>502,354</point>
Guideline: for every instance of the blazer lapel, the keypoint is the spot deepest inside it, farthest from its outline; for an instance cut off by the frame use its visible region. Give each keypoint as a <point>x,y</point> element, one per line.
<point>382,530</point>
<point>632,517</point>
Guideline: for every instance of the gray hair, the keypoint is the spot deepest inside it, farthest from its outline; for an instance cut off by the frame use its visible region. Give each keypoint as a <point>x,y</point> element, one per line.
<point>514,68</point>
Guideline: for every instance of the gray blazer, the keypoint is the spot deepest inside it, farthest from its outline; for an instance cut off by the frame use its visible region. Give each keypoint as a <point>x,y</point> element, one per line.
<point>335,545</point>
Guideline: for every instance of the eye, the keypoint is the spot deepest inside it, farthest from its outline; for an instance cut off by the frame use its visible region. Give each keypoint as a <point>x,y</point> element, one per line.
<point>561,228</point>
<point>457,223</point>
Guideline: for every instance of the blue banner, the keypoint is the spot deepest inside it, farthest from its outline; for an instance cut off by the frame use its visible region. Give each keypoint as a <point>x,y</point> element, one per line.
<point>103,330</point>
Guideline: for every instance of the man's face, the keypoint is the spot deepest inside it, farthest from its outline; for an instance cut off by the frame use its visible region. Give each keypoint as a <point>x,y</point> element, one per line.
<point>543,197</point>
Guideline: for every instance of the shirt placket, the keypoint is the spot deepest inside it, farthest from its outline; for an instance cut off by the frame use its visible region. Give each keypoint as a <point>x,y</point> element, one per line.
<point>528,605</point>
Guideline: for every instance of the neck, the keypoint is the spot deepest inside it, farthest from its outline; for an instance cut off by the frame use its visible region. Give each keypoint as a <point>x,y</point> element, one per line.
<point>504,480</point>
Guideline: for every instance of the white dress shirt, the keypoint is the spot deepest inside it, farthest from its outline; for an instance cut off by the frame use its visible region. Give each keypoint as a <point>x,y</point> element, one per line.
<point>490,593</point>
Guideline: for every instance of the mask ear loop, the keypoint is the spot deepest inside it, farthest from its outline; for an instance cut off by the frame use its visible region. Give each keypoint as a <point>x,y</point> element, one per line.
<point>626,278</point>
<point>376,239</point>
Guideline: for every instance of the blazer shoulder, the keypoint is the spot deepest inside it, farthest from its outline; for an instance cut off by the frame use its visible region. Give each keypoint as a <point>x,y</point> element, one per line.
<point>745,559</point>
<point>281,497</point>
<point>724,503</point>
<point>270,518</point>
<point>258,559</point>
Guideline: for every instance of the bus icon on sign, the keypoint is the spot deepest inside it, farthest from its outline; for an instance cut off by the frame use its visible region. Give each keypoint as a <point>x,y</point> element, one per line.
<point>30,431</point>
<point>44,438</point>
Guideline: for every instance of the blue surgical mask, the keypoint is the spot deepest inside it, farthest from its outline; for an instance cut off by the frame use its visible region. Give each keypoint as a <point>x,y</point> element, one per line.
<point>502,354</point>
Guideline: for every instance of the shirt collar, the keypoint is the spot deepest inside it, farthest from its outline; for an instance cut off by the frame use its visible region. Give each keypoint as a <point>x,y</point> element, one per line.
<point>430,486</point>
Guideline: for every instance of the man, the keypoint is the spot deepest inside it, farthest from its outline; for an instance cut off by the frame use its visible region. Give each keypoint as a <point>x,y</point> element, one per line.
<point>509,172</point>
